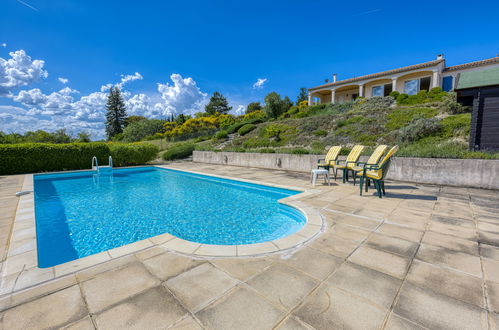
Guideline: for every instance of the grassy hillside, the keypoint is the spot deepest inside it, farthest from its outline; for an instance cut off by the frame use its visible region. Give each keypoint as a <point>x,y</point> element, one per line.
<point>431,128</point>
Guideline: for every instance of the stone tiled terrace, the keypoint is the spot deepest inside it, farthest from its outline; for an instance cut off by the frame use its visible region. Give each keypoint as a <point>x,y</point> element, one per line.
<point>422,257</point>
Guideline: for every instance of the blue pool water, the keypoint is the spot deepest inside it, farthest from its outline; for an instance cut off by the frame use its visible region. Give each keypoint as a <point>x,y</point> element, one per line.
<point>82,213</point>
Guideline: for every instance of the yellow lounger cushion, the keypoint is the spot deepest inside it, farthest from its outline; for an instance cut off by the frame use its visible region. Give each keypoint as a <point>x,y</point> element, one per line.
<point>373,174</point>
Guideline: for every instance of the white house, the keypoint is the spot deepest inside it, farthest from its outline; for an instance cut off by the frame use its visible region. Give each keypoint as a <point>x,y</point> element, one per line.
<point>410,80</point>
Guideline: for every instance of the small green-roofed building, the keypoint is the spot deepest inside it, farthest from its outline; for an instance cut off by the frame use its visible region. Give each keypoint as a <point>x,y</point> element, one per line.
<point>480,90</point>
<point>488,77</point>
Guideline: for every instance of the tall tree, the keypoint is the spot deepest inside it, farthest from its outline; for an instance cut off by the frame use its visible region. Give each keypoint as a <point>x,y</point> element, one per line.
<point>275,106</point>
<point>218,103</point>
<point>303,96</point>
<point>253,106</point>
<point>116,113</point>
<point>132,119</point>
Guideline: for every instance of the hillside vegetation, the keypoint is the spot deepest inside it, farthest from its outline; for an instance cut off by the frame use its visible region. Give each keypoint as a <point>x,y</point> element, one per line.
<point>430,124</point>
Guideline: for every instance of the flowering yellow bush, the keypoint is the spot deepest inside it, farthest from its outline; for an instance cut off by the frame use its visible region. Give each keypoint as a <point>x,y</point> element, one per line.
<point>254,114</point>
<point>225,120</point>
<point>303,105</point>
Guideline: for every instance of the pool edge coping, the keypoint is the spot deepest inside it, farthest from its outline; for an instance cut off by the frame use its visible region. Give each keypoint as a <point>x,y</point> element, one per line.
<point>20,271</point>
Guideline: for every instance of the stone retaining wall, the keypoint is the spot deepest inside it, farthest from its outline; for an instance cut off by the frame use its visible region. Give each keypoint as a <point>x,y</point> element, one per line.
<point>476,173</point>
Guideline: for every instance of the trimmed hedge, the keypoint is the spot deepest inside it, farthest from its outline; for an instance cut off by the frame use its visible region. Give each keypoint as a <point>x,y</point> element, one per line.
<point>246,129</point>
<point>47,157</point>
<point>125,154</point>
<point>177,152</point>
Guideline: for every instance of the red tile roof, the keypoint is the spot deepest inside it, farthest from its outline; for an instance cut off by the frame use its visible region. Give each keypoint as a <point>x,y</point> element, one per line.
<point>493,60</point>
<point>380,74</point>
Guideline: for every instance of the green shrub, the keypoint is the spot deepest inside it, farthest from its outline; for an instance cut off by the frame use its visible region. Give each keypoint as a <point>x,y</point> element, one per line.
<point>259,142</point>
<point>202,138</point>
<point>179,151</point>
<point>44,157</point>
<point>276,131</point>
<point>419,128</point>
<point>450,104</point>
<point>320,132</point>
<point>402,116</point>
<point>126,154</point>
<point>394,94</point>
<point>266,150</point>
<point>138,130</point>
<point>246,129</point>
<point>235,127</point>
<point>220,135</point>
<point>457,125</point>
<point>376,103</point>
<point>295,151</point>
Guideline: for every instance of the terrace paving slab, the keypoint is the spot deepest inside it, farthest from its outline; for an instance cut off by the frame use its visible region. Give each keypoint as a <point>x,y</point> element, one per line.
<point>153,309</point>
<point>167,265</point>
<point>447,282</point>
<point>396,322</point>
<point>375,286</point>
<point>451,242</point>
<point>243,269</point>
<point>54,310</point>
<point>283,285</point>
<point>115,285</point>
<point>437,311</point>
<point>241,309</point>
<point>381,261</point>
<point>441,256</point>
<point>330,308</point>
<point>393,245</point>
<point>199,286</point>
<point>83,324</point>
<point>334,245</point>
<point>317,264</point>
<point>293,324</point>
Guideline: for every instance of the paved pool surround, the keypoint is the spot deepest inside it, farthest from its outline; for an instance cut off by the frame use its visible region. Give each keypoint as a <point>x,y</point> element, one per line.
<point>474,173</point>
<point>423,257</point>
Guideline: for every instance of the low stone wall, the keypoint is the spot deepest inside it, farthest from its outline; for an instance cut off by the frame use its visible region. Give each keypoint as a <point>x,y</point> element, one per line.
<point>476,173</point>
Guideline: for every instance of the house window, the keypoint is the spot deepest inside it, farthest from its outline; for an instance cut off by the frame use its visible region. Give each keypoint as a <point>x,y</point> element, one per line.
<point>377,91</point>
<point>411,87</point>
<point>447,83</point>
<point>355,96</point>
<point>387,89</point>
<point>424,83</point>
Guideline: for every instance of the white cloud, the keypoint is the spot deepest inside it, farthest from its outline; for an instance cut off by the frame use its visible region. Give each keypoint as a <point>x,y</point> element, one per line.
<point>184,96</point>
<point>3,44</point>
<point>128,78</point>
<point>238,110</point>
<point>66,109</point>
<point>259,83</point>
<point>20,70</point>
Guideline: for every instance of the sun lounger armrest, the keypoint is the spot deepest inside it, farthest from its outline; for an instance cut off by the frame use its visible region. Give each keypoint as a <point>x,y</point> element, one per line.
<point>321,160</point>
<point>371,167</point>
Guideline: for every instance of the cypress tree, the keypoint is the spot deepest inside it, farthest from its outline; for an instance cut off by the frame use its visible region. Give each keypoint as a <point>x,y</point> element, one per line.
<point>116,113</point>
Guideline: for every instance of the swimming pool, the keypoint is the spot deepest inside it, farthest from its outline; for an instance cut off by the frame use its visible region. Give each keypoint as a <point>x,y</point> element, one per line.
<point>83,213</point>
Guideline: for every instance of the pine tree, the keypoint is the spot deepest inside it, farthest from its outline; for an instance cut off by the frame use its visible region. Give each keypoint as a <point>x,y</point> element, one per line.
<point>218,103</point>
<point>116,113</point>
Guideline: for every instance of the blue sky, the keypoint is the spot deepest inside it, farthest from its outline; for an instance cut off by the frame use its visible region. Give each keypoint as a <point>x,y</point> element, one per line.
<point>212,46</point>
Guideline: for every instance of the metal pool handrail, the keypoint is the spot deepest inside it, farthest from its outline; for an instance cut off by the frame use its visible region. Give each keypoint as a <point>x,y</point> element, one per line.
<point>96,167</point>
<point>110,162</point>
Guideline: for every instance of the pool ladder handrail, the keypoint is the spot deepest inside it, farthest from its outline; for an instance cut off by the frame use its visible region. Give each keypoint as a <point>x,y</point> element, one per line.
<point>96,167</point>
<point>110,162</point>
